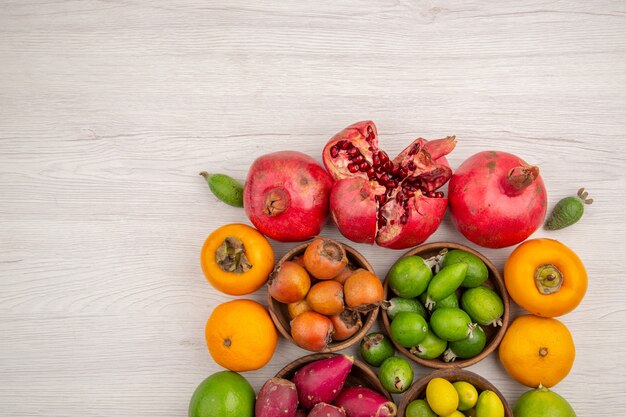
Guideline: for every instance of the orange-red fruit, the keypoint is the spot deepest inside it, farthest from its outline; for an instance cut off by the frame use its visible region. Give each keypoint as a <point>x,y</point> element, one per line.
<point>297,308</point>
<point>326,297</point>
<point>324,258</point>
<point>363,291</point>
<point>346,324</point>
<point>344,275</point>
<point>289,283</point>
<point>312,331</point>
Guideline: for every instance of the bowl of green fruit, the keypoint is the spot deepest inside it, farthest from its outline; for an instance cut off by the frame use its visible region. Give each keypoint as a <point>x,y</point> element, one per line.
<point>446,305</point>
<point>453,392</point>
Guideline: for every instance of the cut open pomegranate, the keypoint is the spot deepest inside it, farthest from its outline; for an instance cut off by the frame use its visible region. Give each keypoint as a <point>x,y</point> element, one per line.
<point>394,203</point>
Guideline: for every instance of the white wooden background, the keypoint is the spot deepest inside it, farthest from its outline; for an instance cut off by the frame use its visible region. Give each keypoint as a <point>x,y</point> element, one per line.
<point>110,108</point>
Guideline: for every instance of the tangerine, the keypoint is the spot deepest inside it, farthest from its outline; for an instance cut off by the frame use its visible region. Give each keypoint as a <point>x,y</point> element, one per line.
<point>537,351</point>
<point>240,335</point>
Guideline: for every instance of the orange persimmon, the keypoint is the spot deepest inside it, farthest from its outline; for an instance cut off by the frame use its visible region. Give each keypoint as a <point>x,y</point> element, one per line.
<point>237,259</point>
<point>545,277</point>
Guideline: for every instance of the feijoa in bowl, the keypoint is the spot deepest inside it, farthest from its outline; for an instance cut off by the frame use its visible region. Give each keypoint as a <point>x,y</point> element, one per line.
<point>494,282</point>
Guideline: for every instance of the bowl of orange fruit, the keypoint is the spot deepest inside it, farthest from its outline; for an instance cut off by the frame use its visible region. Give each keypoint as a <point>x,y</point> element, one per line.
<point>323,295</point>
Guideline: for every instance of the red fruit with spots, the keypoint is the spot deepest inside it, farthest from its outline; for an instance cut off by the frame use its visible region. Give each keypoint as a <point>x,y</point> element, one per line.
<point>277,397</point>
<point>321,381</point>
<point>497,199</point>
<point>394,203</point>
<point>286,196</point>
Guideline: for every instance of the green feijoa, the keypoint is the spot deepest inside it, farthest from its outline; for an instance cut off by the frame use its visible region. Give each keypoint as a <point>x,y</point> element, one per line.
<point>445,283</point>
<point>467,348</point>
<point>483,305</point>
<point>422,297</point>
<point>225,188</point>
<point>451,301</point>
<point>408,329</point>
<point>450,324</point>
<point>395,374</point>
<point>477,272</point>
<point>375,348</point>
<point>409,277</point>
<point>568,211</point>
<point>398,304</point>
<point>419,408</point>
<point>431,347</point>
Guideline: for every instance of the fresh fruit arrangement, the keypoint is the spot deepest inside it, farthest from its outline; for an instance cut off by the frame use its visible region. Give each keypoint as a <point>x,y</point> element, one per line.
<point>443,307</point>
<point>321,298</point>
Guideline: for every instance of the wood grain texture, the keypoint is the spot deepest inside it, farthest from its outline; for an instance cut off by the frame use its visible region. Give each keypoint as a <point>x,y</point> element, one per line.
<point>110,108</point>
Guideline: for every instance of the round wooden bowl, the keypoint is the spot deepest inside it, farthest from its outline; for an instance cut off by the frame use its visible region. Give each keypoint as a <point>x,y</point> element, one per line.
<point>280,314</point>
<point>418,389</point>
<point>494,334</point>
<point>360,375</point>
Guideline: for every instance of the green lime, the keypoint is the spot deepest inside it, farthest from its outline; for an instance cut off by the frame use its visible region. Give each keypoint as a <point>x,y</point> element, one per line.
<point>469,347</point>
<point>490,405</point>
<point>477,272</point>
<point>399,304</point>
<point>467,394</point>
<point>544,402</point>
<point>223,394</point>
<point>395,374</point>
<point>450,324</point>
<point>409,276</point>
<point>431,347</point>
<point>408,329</point>
<point>419,408</point>
<point>375,348</point>
<point>451,301</point>
<point>483,305</point>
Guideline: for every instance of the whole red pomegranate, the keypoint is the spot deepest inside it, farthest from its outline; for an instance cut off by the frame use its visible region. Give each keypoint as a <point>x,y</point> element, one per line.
<point>391,202</point>
<point>497,199</point>
<point>286,196</point>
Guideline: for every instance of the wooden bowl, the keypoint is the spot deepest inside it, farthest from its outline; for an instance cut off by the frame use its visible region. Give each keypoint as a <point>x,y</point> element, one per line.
<point>280,314</point>
<point>494,334</point>
<point>418,389</point>
<point>360,375</point>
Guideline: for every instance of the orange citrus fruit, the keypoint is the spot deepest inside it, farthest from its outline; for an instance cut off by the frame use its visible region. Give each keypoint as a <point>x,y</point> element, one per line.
<point>537,351</point>
<point>241,335</point>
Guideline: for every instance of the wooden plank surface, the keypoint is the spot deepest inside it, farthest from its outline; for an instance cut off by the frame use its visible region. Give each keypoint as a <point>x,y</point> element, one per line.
<point>109,109</point>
